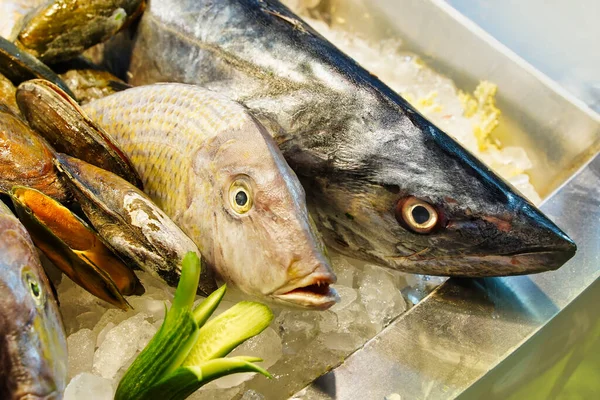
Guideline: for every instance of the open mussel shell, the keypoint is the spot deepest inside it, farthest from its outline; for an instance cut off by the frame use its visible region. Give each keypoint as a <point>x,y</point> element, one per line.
<point>74,248</point>
<point>19,66</point>
<point>25,158</point>
<point>136,228</point>
<point>60,120</point>
<point>62,29</point>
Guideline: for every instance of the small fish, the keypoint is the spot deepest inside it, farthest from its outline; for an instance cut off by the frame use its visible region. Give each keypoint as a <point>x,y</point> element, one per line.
<point>384,183</point>
<point>219,176</point>
<point>33,348</point>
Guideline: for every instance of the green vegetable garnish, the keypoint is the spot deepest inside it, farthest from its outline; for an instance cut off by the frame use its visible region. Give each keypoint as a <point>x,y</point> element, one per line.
<point>187,351</point>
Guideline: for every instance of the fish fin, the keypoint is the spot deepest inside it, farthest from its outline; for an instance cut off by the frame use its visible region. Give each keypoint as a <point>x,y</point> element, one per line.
<point>119,86</point>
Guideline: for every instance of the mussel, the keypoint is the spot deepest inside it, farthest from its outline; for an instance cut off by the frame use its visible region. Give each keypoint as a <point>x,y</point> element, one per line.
<point>19,66</point>
<point>73,247</point>
<point>63,29</point>
<point>60,120</point>
<point>136,228</point>
<point>25,158</point>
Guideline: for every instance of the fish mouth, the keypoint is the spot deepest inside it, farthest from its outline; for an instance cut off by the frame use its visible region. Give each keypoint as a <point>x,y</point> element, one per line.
<point>532,260</point>
<point>313,291</point>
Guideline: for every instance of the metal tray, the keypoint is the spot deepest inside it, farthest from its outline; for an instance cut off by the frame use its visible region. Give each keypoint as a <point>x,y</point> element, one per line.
<point>467,329</point>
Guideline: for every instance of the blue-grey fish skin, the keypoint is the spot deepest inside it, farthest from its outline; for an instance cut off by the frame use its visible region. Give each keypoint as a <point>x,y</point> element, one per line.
<point>33,348</point>
<point>359,148</point>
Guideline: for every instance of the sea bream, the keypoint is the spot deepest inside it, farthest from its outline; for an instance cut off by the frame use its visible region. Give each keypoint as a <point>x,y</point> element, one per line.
<point>217,173</point>
<point>384,184</point>
<point>33,348</point>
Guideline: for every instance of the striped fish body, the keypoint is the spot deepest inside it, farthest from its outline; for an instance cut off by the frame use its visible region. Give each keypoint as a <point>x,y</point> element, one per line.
<point>219,175</point>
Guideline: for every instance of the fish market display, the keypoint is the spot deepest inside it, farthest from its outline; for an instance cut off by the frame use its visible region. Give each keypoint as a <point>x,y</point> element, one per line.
<point>215,171</point>
<point>384,184</point>
<point>33,352</point>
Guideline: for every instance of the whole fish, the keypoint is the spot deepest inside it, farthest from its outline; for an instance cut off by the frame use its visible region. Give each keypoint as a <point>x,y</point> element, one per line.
<point>384,183</point>
<point>216,172</point>
<point>33,348</point>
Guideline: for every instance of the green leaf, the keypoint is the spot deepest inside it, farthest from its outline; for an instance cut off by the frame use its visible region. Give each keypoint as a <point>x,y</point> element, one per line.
<point>185,294</point>
<point>186,380</point>
<point>205,309</point>
<point>171,344</point>
<point>226,331</point>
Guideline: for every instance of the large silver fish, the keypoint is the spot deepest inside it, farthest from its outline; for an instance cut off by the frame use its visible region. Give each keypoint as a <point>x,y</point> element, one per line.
<point>33,348</point>
<point>220,177</point>
<point>384,183</point>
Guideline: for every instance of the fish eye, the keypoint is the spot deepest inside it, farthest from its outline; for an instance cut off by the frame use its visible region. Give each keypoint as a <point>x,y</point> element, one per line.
<point>33,286</point>
<point>240,196</point>
<point>416,215</point>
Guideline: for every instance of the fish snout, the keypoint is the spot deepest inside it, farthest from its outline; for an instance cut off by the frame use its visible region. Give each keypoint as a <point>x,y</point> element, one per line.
<point>540,244</point>
<point>529,242</point>
<point>309,291</point>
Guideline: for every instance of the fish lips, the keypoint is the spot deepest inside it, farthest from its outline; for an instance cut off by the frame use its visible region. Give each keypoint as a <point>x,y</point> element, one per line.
<point>314,291</point>
<point>526,261</point>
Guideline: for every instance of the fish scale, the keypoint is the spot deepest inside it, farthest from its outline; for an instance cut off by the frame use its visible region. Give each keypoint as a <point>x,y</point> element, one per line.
<point>163,132</point>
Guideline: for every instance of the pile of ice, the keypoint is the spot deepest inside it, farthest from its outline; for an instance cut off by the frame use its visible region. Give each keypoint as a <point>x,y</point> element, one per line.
<point>299,346</point>
<point>469,118</point>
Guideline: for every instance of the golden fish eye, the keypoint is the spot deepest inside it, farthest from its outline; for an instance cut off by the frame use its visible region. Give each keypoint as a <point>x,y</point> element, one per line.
<point>240,196</point>
<point>417,215</point>
<point>33,286</point>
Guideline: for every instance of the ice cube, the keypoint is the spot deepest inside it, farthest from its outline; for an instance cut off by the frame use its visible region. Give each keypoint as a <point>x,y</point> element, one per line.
<point>211,392</point>
<point>379,295</point>
<point>252,395</point>
<point>89,319</point>
<point>81,346</point>
<point>103,332</point>
<point>347,297</point>
<point>328,321</point>
<point>149,306</point>
<point>155,288</point>
<point>121,344</point>
<point>341,341</point>
<point>113,316</point>
<point>296,328</point>
<point>89,386</point>
<point>344,270</point>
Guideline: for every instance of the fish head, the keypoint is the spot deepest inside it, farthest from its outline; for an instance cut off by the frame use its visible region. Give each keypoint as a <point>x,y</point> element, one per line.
<point>265,242</point>
<point>409,197</point>
<point>33,351</point>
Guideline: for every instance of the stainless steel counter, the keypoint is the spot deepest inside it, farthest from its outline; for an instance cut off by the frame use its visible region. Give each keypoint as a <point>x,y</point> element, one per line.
<point>484,337</point>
